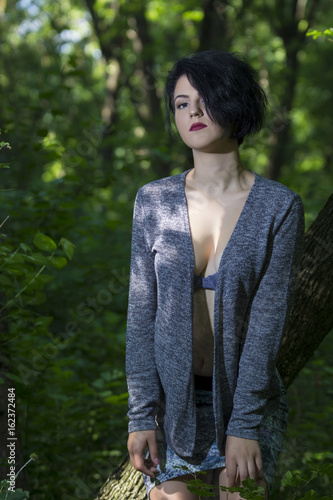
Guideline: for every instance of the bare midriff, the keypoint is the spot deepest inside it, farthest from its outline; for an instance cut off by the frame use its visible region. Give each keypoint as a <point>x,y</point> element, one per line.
<point>203,332</point>
<point>212,221</point>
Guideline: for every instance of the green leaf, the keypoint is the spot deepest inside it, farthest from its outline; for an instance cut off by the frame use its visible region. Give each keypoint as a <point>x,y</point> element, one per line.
<point>4,144</point>
<point>292,480</point>
<point>4,250</point>
<point>288,479</point>
<point>37,258</point>
<point>315,33</point>
<point>251,491</point>
<point>323,469</point>
<point>16,271</point>
<point>18,494</point>
<point>199,488</point>
<point>15,259</point>
<point>25,248</point>
<point>58,262</point>
<point>44,242</point>
<point>68,247</point>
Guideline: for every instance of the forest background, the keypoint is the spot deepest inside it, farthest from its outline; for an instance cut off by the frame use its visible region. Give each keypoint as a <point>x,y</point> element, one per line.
<point>82,126</point>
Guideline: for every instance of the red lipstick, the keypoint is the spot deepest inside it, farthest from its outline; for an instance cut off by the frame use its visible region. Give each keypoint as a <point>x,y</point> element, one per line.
<point>197,126</point>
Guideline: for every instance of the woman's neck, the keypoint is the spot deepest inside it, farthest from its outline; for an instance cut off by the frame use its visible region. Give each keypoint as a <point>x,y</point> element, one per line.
<point>223,169</point>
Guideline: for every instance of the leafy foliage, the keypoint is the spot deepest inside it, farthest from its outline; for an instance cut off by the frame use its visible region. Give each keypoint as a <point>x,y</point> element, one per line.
<point>249,490</point>
<point>295,485</point>
<point>315,33</point>
<point>81,86</point>
<point>19,494</point>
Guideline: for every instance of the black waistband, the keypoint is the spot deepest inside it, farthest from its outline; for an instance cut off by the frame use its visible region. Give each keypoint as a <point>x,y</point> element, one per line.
<point>203,383</point>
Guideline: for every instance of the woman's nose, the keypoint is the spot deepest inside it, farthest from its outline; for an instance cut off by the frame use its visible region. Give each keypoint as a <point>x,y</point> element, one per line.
<point>196,110</point>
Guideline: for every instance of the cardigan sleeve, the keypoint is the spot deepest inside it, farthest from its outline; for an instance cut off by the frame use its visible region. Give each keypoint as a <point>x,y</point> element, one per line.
<point>268,316</point>
<point>142,378</point>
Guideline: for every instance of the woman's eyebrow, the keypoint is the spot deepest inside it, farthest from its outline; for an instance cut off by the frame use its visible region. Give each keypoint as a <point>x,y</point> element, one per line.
<point>183,96</point>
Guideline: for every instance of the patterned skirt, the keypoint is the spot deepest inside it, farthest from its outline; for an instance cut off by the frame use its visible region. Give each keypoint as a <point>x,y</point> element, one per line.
<point>207,456</point>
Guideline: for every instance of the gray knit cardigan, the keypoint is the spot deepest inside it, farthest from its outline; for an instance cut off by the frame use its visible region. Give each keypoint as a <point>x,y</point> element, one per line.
<point>255,284</point>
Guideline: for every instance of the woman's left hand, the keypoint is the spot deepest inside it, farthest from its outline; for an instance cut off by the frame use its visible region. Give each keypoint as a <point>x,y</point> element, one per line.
<point>243,459</point>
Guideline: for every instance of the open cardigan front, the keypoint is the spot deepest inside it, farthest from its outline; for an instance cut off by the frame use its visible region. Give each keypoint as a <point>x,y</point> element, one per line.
<point>255,284</point>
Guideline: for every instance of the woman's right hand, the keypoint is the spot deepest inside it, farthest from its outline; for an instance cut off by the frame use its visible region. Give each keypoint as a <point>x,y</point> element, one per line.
<point>137,443</point>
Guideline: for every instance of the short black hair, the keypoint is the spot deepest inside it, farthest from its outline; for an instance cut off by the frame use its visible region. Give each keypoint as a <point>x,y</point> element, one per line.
<point>229,87</point>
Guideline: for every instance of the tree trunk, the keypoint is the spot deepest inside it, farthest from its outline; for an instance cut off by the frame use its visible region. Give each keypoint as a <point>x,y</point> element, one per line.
<point>311,319</point>
<point>285,23</point>
<point>125,483</point>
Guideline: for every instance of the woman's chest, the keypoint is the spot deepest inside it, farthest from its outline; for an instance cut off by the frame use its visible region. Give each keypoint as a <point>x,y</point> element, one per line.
<point>212,222</point>
<point>188,237</point>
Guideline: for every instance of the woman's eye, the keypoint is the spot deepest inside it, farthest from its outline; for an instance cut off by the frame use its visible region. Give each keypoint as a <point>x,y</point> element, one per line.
<point>181,105</point>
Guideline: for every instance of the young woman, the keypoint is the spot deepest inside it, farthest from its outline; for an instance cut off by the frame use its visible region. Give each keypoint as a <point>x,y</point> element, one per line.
<point>215,254</point>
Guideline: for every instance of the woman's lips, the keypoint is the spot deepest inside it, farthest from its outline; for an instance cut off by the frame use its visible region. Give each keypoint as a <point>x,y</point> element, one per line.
<point>197,126</point>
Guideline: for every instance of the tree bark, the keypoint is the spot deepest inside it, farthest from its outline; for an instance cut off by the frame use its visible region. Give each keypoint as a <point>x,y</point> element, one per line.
<point>285,23</point>
<point>311,316</point>
<point>311,319</point>
<point>125,483</point>
<point>215,32</point>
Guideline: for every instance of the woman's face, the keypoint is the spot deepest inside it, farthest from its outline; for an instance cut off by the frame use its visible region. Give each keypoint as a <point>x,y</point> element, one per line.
<point>195,127</point>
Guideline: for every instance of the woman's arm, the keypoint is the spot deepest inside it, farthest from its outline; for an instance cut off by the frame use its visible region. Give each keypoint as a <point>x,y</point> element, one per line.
<point>268,316</point>
<point>142,378</point>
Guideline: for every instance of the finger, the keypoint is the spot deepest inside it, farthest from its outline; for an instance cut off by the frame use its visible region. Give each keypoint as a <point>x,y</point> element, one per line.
<point>259,466</point>
<point>153,449</point>
<point>253,470</point>
<point>237,481</point>
<point>231,472</point>
<point>139,464</point>
<point>243,471</point>
<point>137,461</point>
<point>136,450</point>
<point>150,465</point>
